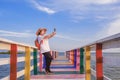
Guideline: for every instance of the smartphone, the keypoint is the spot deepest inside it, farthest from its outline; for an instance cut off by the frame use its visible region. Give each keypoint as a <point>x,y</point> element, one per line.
<point>54,29</point>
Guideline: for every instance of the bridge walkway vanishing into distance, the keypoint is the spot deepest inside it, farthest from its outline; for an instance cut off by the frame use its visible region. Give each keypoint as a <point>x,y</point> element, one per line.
<point>73,64</point>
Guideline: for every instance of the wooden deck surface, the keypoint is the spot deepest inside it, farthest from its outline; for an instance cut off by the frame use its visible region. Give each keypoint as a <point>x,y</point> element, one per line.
<point>60,73</point>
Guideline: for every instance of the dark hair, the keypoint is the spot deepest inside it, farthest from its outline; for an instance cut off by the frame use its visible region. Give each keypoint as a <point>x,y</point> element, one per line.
<point>39,32</point>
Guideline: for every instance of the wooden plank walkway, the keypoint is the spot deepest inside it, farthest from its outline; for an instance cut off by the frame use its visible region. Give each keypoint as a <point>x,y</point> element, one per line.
<point>60,73</point>
<point>60,76</point>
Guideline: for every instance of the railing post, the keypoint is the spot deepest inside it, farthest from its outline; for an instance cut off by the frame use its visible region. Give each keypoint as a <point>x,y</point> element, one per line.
<point>69,55</point>
<point>55,54</point>
<point>81,61</point>
<point>72,56</point>
<point>40,61</point>
<point>13,62</point>
<point>35,61</point>
<point>99,62</point>
<point>75,57</point>
<point>27,63</point>
<point>78,60</point>
<point>87,63</point>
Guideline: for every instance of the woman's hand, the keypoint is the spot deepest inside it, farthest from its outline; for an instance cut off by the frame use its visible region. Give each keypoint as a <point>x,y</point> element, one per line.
<point>50,35</point>
<point>54,33</point>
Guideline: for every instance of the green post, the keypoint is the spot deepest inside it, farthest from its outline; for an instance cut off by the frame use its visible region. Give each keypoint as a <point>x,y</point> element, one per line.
<point>81,61</point>
<point>35,61</point>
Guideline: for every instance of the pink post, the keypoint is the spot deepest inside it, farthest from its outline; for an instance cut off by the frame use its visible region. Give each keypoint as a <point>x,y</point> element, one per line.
<point>78,60</point>
<point>40,63</point>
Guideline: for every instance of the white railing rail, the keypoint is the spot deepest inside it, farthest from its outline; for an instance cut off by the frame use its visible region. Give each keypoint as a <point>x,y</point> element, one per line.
<point>14,47</point>
<point>99,46</point>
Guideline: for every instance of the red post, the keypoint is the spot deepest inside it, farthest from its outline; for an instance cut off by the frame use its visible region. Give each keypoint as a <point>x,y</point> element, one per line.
<point>13,62</point>
<point>99,62</point>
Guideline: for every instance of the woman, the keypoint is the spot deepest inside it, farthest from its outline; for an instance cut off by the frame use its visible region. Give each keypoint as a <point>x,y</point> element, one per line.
<point>44,46</point>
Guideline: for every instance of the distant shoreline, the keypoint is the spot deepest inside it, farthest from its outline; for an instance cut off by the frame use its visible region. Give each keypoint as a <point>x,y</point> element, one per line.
<point>8,52</point>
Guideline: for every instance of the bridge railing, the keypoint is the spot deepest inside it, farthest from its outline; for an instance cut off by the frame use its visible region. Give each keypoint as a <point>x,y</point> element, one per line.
<point>14,47</point>
<point>99,47</point>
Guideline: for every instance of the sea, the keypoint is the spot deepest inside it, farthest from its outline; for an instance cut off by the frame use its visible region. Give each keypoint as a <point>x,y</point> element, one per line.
<point>111,65</point>
<point>5,69</point>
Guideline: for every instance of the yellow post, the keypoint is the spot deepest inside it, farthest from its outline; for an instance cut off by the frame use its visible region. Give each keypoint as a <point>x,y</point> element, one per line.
<point>87,63</point>
<point>27,63</point>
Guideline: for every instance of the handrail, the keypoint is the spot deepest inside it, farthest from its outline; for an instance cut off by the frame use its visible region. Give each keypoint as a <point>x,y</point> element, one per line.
<point>84,51</point>
<point>13,42</point>
<point>104,40</point>
<point>99,45</point>
<point>14,47</point>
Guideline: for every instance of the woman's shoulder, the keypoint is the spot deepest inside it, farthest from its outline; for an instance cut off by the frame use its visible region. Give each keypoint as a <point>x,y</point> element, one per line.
<point>40,37</point>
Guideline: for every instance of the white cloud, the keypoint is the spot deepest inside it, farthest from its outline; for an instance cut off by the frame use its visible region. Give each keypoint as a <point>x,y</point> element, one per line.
<point>110,28</point>
<point>42,8</point>
<point>4,33</point>
<point>104,1</point>
<point>101,17</point>
<point>82,9</point>
<point>114,27</point>
<point>72,39</point>
<point>67,38</point>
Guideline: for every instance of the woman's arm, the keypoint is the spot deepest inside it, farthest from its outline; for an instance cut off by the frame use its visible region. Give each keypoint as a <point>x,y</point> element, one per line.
<point>50,35</point>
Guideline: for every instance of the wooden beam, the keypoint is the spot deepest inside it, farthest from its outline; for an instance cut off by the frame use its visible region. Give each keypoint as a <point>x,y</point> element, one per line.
<point>13,62</point>
<point>99,62</point>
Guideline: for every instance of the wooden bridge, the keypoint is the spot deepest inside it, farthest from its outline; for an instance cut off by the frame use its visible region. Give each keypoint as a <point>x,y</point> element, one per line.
<point>74,64</point>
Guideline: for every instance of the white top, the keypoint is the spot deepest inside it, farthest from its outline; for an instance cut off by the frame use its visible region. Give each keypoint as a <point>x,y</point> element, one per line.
<point>44,47</point>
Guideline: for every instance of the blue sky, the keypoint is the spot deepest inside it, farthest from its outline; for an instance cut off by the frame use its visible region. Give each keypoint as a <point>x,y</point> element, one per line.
<point>78,22</point>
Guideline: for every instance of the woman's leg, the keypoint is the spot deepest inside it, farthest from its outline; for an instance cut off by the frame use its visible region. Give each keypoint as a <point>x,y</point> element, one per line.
<point>45,62</point>
<point>48,58</point>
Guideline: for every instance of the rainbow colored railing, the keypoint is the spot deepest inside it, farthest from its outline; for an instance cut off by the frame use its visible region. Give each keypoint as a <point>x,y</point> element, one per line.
<point>98,47</point>
<point>76,56</point>
<point>14,47</point>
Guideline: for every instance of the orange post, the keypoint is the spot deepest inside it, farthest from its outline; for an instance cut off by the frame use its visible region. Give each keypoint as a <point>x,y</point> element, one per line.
<point>13,62</point>
<point>99,62</point>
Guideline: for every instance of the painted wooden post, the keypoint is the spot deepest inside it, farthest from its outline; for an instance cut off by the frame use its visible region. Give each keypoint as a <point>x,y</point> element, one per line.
<point>81,61</point>
<point>35,61</point>
<point>87,63</point>
<point>99,62</point>
<point>13,62</point>
<point>72,56</point>
<point>66,54</point>
<point>40,62</point>
<point>55,54</point>
<point>75,57</point>
<point>27,63</point>
<point>78,60</point>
